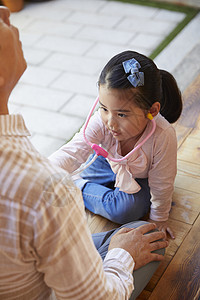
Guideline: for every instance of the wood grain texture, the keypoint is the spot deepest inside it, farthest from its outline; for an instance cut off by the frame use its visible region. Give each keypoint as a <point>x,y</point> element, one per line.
<point>99,224</point>
<point>182,277</point>
<point>188,175</point>
<point>190,150</point>
<point>185,206</point>
<point>190,118</point>
<point>191,105</point>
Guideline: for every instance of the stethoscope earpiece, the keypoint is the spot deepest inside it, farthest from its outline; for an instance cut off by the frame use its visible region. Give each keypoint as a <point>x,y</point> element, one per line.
<point>149,116</point>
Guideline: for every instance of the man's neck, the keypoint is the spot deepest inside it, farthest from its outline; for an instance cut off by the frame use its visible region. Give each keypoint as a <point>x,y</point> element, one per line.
<point>4,104</point>
<point>4,111</point>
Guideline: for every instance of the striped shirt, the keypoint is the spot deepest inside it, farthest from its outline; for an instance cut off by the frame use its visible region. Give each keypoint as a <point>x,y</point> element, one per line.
<point>45,243</point>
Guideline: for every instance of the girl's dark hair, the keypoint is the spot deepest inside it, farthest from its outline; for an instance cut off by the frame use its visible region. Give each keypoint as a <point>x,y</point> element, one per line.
<point>159,85</point>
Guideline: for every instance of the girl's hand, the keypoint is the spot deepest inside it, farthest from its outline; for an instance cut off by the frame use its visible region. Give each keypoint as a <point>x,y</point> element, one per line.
<point>164,227</point>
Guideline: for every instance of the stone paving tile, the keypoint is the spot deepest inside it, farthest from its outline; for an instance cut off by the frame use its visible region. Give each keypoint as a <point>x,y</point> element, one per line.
<point>65,29</point>
<point>141,24</point>
<point>20,22</point>
<point>168,15</point>
<point>79,106</point>
<point>105,51</point>
<point>143,39</point>
<point>14,108</point>
<point>35,56</point>
<point>105,35</point>
<point>64,45</point>
<point>42,98</point>
<point>39,76</point>
<point>128,10</point>
<point>73,63</point>
<point>29,39</point>
<point>144,50</point>
<point>77,83</point>
<point>45,11</point>
<point>80,5</point>
<point>46,144</point>
<point>146,41</point>
<point>95,19</point>
<point>55,125</point>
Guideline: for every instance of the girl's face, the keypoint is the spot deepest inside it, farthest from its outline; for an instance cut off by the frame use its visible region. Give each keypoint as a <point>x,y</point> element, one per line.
<point>12,62</point>
<point>120,115</point>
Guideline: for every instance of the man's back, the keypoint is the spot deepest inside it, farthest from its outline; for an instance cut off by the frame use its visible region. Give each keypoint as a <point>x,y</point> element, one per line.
<point>31,219</point>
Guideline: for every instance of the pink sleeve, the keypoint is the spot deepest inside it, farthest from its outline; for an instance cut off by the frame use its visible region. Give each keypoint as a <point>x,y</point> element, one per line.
<point>162,174</point>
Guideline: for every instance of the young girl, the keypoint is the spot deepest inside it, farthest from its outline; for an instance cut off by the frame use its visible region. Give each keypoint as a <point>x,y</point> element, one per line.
<point>132,91</point>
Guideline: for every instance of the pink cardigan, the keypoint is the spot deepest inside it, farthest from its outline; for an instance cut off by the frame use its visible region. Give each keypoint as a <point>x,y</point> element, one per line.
<point>156,159</point>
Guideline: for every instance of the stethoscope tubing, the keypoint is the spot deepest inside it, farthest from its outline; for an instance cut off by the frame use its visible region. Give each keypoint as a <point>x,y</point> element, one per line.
<point>100,151</point>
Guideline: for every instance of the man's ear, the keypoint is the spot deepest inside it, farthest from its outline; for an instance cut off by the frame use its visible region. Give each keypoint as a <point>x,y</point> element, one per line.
<point>154,110</point>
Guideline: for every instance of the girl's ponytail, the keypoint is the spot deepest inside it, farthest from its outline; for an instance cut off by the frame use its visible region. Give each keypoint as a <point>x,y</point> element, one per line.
<point>171,100</point>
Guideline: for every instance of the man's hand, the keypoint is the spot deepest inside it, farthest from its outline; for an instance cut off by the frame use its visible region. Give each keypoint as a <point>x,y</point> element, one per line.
<point>5,14</point>
<point>139,244</point>
<point>164,227</point>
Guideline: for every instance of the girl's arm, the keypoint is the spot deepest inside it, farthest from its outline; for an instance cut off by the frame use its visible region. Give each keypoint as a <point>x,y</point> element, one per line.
<point>161,178</point>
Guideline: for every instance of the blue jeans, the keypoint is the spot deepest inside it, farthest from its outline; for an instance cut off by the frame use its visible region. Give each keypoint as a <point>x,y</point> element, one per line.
<point>141,276</point>
<point>102,198</point>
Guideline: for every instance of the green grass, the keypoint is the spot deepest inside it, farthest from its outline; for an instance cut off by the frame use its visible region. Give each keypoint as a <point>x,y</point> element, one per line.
<point>189,12</point>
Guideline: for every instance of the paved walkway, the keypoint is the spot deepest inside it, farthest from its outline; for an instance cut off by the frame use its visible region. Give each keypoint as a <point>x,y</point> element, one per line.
<point>67,43</point>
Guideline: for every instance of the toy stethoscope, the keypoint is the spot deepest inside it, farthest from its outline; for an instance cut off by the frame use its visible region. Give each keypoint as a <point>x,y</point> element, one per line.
<point>101,151</point>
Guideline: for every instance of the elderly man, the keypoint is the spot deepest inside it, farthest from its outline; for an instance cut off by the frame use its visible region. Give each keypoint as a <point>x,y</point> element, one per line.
<point>45,241</point>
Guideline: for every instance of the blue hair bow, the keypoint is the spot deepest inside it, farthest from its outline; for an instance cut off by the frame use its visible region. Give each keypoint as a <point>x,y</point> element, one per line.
<point>136,78</point>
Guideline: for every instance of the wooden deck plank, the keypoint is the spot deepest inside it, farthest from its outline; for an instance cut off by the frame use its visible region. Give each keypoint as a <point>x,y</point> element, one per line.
<point>185,206</point>
<point>190,150</point>
<point>191,105</point>
<point>181,134</point>
<point>190,118</point>
<point>188,175</point>
<point>195,133</point>
<point>181,279</point>
<point>144,295</point>
<point>99,224</point>
<point>180,231</point>
<point>188,183</point>
<point>188,168</point>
